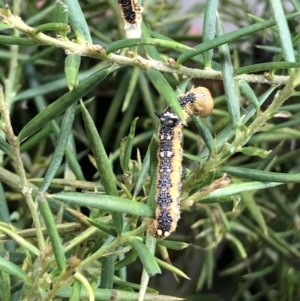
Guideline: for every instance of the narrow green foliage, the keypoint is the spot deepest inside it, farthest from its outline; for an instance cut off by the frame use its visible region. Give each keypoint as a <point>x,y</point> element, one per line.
<point>232,98</point>
<point>58,154</point>
<point>229,37</point>
<point>9,40</point>
<point>283,30</point>
<point>115,105</point>
<point>206,271</point>
<point>126,146</point>
<point>131,88</point>
<point>57,27</point>
<point>265,176</point>
<point>209,28</point>
<point>61,12</point>
<point>20,240</point>
<point>72,64</point>
<point>5,286</point>
<point>143,174</point>
<point>238,245</point>
<point>79,186</point>
<point>4,146</point>
<point>61,104</point>
<point>249,94</point>
<point>165,90</point>
<point>104,167</point>
<point>75,296</point>
<point>146,274</point>
<point>130,258</point>
<point>107,202</point>
<point>173,245</point>
<point>265,67</point>
<point>57,246</point>
<point>254,151</point>
<point>254,210</point>
<point>141,42</point>
<point>103,226</point>
<point>152,51</point>
<point>107,295</point>
<point>148,260</point>
<point>51,86</point>
<point>171,268</point>
<point>78,22</point>
<point>12,269</point>
<point>107,272</point>
<point>205,134</point>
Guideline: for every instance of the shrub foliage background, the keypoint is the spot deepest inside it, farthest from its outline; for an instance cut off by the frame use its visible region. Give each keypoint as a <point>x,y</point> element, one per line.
<point>78,152</point>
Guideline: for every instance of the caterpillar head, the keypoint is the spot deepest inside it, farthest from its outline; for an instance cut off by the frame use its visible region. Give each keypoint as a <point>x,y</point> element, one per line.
<point>203,103</point>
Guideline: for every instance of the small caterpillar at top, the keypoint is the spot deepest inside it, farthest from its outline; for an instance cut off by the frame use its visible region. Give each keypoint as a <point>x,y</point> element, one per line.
<point>131,13</point>
<point>169,168</point>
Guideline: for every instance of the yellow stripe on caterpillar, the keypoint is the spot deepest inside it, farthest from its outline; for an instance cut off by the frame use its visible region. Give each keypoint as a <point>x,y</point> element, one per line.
<point>169,168</point>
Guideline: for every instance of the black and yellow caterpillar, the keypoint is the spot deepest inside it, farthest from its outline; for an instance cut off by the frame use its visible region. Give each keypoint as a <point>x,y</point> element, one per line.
<point>169,169</point>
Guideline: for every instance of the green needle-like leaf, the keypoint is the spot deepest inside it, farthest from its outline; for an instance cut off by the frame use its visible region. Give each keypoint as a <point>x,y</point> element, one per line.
<point>265,67</point>
<point>234,35</point>
<point>103,226</point>
<point>209,28</point>
<point>53,232</point>
<point>58,154</point>
<point>61,104</point>
<point>140,42</point>
<point>107,272</point>
<point>254,210</point>
<point>108,295</point>
<point>232,98</point>
<point>165,90</point>
<point>232,189</point>
<point>106,202</point>
<point>58,27</point>
<point>126,147</point>
<point>260,175</point>
<point>78,22</point>
<point>4,146</point>
<point>171,268</point>
<point>107,176</point>
<point>283,30</point>
<point>72,64</point>
<point>146,257</point>
<point>12,269</point>
<point>173,245</point>
<point>143,174</point>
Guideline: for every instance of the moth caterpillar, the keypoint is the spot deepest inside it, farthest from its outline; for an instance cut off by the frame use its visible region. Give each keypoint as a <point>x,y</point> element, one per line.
<point>169,168</point>
<point>131,14</point>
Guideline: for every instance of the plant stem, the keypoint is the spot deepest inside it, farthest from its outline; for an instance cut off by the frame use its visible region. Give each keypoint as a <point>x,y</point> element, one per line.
<point>98,52</point>
<point>26,190</point>
<point>261,120</point>
<point>243,134</point>
<point>10,81</point>
<point>125,238</point>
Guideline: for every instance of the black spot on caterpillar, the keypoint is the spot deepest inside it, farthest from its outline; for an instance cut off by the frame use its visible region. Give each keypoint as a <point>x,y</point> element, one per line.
<point>169,169</point>
<point>132,15</point>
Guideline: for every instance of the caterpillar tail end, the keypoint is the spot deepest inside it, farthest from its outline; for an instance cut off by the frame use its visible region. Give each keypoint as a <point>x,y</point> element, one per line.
<point>156,232</point>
